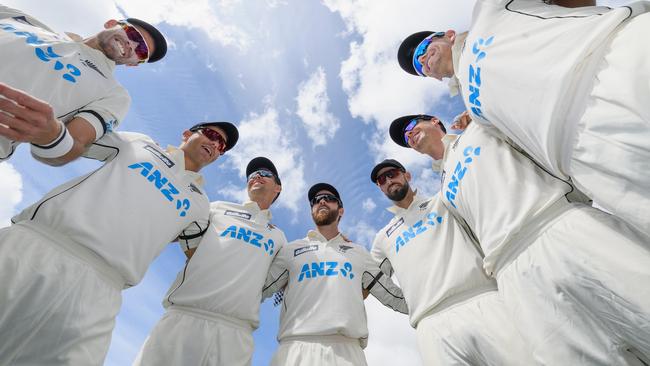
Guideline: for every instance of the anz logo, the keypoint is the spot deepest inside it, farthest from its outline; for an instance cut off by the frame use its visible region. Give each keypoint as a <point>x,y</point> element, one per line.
<point>411,232</point>
<point>163,185</point>
<point>325,269</point>
<point>451,190</point>
<point>478,50</point>
<point>250,237</point>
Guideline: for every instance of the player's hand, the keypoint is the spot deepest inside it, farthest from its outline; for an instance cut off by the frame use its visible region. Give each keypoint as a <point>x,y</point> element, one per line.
<point>25,118</point>
<point>461,121</point>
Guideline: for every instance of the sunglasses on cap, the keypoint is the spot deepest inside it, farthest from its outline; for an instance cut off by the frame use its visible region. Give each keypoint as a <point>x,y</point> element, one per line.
<point>133,34</point>
<point>390,173</point>
<point>215,136</point>
<point>325,196</point>
<point>262,173</point>
<point>421,49</point>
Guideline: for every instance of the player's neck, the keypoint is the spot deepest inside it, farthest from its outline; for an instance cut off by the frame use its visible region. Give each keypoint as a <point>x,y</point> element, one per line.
<point>329,231</point>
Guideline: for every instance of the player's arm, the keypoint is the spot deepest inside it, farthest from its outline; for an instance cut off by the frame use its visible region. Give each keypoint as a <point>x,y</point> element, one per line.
<point>461,121</point>
<point>375,281</point>
<point>278,275</point>
<point>191,236</point>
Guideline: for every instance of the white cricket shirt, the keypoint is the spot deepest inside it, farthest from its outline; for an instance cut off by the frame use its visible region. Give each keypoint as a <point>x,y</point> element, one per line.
<point>527,68</point>
<point>324,281</point>
<point>126,211</point>
<point>495,189</point>
<point>76,80</point>
<point>436,262</point>
<point>226,274</point>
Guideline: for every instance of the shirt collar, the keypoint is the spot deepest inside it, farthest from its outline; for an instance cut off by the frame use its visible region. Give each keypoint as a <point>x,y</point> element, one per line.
<point>178,156</point>
<point>314,235</point>
<point>447,140</point>
<point>417,200</point>
<point>253,206</point>
<point>456,51</point>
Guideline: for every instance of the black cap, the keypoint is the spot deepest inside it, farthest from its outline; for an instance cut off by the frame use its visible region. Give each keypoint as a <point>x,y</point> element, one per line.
<point>160,43</point>
<point>323,187</point>
<point>407,48</point>
<point>232,135</point>
<point>386,163</point>
<point>397,127</point>
<point>261,162</point>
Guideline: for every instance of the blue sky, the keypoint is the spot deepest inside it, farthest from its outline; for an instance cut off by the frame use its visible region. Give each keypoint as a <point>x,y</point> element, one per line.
<point>313,85</point>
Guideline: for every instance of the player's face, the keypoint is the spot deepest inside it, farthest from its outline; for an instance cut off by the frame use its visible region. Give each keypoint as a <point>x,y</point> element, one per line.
<point>262,187</point>
<point>116,45</point>
<point>325,212</point>
<point>394,183</point>
<point>199,149</point>
<point>437,59</point>
<point>427,134</point>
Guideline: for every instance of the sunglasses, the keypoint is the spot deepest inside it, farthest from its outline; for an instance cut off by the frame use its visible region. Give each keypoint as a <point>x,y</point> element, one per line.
<point>133,34</point>
<point>215,136</point>
<point>262,173</point>
<point>326,196</point>
<point>409,127</point>
<point>421,49</point>
<point>390,173</point>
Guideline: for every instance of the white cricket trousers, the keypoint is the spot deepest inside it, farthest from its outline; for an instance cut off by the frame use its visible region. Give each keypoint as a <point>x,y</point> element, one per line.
<point>611,154</point>
<point>579,290</point>
<point>475,332</point>
<point>58,301</point>
<point>186,336</point>
<point>334,350</point>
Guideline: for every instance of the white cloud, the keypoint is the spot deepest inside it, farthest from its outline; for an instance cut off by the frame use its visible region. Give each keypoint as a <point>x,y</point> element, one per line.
<point>313,108</point>
<point>368,205</point>
<point>261,135</point>
<point>359,232</point>
<point>11,192</point>
<point>426,182</point>
<point>391,339</point>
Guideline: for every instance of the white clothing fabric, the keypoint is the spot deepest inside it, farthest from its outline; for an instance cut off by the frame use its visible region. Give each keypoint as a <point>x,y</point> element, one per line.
<point>435,261</point>
<point>319,351</point>
<point>187,337</point>
<point>611,155</point>
<point>58,302</point>
<point>576,102</point>
<point>324,281</point>
<point>586,270</point>
<point>76,80</point>
<point>475,332</point>
<point>226,274</point>
<point>514,193</point>
<point>143,199</point>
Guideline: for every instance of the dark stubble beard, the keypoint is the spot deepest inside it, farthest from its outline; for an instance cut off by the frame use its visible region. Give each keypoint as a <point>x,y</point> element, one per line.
<point>399,194</point>
<point>321,219</point>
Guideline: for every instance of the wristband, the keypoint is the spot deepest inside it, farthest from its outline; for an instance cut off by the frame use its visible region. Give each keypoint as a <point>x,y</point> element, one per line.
<point>61,145</point>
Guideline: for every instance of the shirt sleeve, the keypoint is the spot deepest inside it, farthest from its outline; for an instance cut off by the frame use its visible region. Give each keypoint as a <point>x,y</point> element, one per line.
<point>378,255</point>
<point>19,15</point>
<point>278,275</point>
<point>191,236</point>
<point>106,113</point>
<point>381,286</point>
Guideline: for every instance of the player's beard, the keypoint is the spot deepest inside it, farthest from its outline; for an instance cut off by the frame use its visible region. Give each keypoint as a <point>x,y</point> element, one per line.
<point>399,194</point>
<point>325,218</point>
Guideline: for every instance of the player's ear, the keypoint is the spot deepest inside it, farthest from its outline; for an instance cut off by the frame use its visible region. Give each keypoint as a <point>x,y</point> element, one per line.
<point>110,24</point>
<point>186,135</point>
<point>407,175</point>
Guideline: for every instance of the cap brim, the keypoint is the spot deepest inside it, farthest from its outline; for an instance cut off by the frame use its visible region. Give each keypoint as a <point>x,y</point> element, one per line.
<point>407,48</point>
<point>397,129</point>
<point>384,164</point>
<point>322,187</point>
<point>261,162</point>
<point>160,43</point>
<point>232,134</point>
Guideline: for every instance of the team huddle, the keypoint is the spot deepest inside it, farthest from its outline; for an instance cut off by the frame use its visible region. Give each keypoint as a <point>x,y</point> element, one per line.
<point>508,264</point>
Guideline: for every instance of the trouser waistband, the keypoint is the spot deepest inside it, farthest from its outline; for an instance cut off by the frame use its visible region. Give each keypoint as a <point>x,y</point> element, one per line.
<point>212,316</point>
<point>332,338</point>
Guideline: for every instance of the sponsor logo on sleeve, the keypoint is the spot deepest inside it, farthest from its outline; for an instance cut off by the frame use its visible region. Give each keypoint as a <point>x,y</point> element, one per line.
<point>303,250</point>
<point>239,214</point>
<point>155,152</point>
<point>394,227</point>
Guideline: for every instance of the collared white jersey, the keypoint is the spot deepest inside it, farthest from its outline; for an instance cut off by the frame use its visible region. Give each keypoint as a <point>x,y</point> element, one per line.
<point>324,281</point>
<point>226,274</point>
<point>495,189</point>
<point>76,80</point>
<point>435,260</point>
<point>527,68</point>
<point>126,211</point>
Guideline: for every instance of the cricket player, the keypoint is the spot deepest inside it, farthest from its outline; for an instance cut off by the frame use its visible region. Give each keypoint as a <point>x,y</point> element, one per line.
<point>568,86</point>
<point>67,258</point>
<point>573,278</point>
<point>80,100</point>
<point>454,306</point>
<point>213,306</point>
<point>323,318</point>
